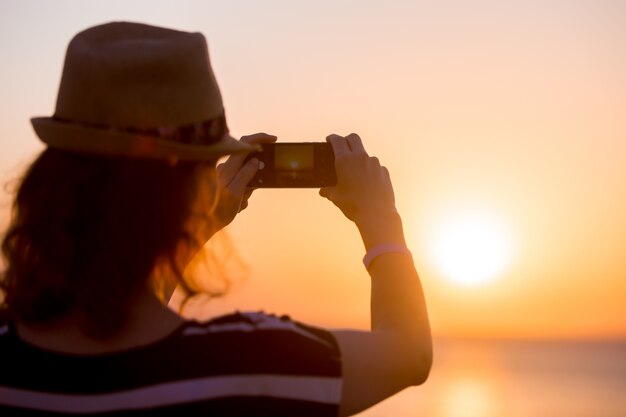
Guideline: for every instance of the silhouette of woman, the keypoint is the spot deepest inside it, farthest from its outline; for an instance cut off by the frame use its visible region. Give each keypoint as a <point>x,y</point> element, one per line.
<point>106,218</point>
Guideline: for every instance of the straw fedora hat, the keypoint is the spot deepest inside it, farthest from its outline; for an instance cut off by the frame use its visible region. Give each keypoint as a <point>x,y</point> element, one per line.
<point>136,90</point>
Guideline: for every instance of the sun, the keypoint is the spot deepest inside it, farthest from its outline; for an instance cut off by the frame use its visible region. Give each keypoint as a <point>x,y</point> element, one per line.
<point>471,247</point>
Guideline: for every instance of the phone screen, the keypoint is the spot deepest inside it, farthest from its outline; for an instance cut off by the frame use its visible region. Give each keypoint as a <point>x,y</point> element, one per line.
<point>295,165</point>
<point>294,158</point>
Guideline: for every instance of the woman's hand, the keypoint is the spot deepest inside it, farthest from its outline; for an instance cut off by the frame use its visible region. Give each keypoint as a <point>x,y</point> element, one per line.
<point>232,178</point>
<point>363,187</point>
<point>364,192</point>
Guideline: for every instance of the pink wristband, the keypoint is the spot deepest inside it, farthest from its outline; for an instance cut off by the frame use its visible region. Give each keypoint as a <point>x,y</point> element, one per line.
<point>375,251</point>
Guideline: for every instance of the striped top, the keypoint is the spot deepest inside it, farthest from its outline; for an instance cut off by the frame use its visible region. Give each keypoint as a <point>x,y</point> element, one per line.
<point>242,364</point>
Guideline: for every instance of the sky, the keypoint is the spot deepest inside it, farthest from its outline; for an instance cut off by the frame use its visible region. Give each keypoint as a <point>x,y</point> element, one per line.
<point>504,119</point>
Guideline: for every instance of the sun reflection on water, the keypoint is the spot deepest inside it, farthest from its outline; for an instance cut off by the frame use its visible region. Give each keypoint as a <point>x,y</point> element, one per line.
<point>472,378</point>
<point>469,396</point>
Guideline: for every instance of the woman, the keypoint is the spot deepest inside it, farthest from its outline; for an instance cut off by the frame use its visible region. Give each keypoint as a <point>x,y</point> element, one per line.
<point>110,214</point>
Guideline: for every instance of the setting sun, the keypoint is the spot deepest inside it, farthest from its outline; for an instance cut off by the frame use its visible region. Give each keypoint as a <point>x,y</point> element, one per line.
<point>471,247</point>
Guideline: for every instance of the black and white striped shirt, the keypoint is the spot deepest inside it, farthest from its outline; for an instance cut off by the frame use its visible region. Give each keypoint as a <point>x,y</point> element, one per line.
<point>242,364</point>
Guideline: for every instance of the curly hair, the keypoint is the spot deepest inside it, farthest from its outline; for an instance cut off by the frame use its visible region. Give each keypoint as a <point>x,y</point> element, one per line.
<point>86,233</point>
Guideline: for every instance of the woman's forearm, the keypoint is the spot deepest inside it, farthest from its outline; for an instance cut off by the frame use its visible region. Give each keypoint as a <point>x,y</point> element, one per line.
<point>397,299</point>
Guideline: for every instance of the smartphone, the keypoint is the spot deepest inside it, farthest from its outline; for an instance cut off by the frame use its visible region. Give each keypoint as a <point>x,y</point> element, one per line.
<point>294,165</point>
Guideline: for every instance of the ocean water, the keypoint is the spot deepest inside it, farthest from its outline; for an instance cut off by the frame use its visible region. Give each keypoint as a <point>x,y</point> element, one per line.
<point>478,378</point>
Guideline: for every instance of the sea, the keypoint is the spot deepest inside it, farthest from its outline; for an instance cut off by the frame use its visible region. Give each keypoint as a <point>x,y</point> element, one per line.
<point>497,378</point>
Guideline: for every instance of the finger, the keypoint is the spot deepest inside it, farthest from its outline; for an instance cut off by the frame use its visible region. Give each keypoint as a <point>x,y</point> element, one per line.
<point>248,193</point>
<point>339,144</point>
<point>327,192</point>
<point>239,182</point>
<point>355,143</point>
<point>233,164</point>
<point>235,161</point>
<point>374,161</point>
<point>246,197</point>
<point>227,170</point>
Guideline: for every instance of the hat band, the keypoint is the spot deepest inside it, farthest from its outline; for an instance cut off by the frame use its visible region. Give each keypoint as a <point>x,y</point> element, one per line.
<point>206,132</point>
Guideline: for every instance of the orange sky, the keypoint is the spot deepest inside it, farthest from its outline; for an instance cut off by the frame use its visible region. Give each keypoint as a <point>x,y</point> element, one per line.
<point>514,109</point>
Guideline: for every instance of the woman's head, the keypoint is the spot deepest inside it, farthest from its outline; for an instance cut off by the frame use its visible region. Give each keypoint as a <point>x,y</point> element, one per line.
<point>88,231</point>
<point>139,115</point>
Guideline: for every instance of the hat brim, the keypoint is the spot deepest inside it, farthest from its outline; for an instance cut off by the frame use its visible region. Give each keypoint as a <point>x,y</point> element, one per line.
<point>78,138</point>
